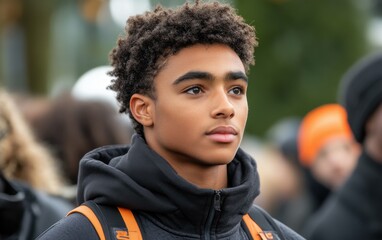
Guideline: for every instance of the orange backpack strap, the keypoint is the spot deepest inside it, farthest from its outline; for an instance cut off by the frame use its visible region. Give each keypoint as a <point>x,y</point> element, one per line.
<point>253,228</point>
<point>110,222</point>
<point>131,224</point>
<point>261,225</point>
<point>88,212</point>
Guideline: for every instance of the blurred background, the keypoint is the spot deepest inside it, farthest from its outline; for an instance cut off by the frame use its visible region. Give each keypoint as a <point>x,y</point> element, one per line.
<point>305,47</point>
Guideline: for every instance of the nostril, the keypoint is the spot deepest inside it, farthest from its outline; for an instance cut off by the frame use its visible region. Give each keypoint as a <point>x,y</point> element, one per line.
<point>226,113</point>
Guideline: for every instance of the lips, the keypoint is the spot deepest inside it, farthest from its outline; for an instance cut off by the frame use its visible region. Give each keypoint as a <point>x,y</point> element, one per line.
<point>223,130</point>
<point>223,134</point>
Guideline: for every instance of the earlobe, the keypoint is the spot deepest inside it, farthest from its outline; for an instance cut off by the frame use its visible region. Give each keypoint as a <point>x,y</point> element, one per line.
<point>140,107</point>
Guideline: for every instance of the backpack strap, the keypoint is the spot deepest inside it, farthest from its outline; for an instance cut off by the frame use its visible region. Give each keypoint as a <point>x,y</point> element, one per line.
<point>253,228</point>
<point>88,212</point>
<point>261,225</point>
<point>134,232</point>
<point>110,222</point>
<point>120,223</point>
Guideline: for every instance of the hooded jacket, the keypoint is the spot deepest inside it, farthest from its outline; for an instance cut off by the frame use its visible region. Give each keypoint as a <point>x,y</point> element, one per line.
<point>165,205</point>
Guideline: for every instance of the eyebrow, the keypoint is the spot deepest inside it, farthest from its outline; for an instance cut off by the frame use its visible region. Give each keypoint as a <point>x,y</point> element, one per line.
<point>208,76</point>
<point>236,75</point>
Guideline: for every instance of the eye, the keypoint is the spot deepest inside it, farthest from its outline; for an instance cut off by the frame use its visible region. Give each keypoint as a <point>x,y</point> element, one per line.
<point>194,90</point>
<point>236,91</point>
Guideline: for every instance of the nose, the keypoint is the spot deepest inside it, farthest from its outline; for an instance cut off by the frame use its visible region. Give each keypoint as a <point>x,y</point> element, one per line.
<point>223,108</point>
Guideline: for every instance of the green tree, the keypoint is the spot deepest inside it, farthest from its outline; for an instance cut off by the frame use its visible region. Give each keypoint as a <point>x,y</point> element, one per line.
<point>304,49</point>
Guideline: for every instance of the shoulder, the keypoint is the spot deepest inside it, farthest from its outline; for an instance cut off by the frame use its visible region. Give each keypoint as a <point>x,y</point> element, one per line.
<point>73,227</point>
<point>288,232</point>
<point>53,206</point>
<point>268,223</point>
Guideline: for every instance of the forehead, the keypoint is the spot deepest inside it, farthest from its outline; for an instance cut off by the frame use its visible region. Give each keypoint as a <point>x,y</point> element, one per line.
<point>213,58</point>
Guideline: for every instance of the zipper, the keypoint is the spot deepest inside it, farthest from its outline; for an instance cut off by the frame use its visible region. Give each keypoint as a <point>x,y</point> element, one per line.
<point>217,200</point>
<point>216,208</point>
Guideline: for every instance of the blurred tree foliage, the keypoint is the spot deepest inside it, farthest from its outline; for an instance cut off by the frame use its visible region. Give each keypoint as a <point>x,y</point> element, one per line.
<point>304,49</point>
<point>24,43</point>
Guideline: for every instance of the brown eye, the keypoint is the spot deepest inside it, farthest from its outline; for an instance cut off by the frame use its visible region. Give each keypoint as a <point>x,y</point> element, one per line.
<point>236,91</point>
<point>194,90</point>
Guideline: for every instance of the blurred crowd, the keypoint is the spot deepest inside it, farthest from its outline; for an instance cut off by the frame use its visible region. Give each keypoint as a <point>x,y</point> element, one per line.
<point>42,140</point>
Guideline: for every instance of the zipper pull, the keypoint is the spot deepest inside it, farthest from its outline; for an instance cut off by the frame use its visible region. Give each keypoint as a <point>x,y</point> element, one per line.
<point>217,201</point>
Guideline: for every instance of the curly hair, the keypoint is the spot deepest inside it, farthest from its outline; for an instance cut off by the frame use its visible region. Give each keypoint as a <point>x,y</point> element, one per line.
<point>154,36</point>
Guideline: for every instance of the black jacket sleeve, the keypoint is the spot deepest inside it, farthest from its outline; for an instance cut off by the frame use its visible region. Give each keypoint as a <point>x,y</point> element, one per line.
<point>355,211</point>
<point>73,227</point>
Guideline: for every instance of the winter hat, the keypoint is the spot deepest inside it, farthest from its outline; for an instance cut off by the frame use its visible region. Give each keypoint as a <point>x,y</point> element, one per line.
<point>361,92</point>
<point>317,127</point>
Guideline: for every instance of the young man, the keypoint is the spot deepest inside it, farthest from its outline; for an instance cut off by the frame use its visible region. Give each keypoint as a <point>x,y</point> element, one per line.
<point>181,76</point>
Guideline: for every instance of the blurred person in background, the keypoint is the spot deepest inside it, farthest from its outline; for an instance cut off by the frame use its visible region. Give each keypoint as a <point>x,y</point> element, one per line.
<point>280,181</point>
<point>326,145</point>
<point>320,140</point>
<point>22,157</point>
<point>327,151</point>
<point>30,182</point>
<point>355,210</point>
<point>73,127</point>
<point>296,207</point>
<point>75,122</point>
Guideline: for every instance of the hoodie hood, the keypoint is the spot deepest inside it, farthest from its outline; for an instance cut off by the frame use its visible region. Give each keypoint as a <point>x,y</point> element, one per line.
<point>139,179</point>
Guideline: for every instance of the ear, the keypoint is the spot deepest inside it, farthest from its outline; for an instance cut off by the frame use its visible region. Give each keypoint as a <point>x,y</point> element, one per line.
<point>141,107</point>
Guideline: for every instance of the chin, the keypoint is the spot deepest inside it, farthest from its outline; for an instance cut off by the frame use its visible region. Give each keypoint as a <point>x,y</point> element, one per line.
<point>220,159</point>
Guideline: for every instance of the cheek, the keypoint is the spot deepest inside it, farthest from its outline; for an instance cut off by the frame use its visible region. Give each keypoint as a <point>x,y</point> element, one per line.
<point>245,112</point>
<point>320,167</point>
<point>175,120</point>
<point>242,113</point>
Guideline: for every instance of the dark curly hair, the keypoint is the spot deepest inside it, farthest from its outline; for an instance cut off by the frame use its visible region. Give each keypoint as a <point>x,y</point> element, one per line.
<point>154,36</point>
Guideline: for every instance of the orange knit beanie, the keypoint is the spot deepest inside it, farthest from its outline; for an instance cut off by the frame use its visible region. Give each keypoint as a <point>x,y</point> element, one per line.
<point>317,127</point>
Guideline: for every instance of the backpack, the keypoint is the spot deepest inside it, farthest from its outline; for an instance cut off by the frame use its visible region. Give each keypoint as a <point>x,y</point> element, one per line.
<point>119,223</point>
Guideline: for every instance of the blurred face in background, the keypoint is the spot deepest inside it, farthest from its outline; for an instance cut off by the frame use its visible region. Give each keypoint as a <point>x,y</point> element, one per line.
<point>335,161</point>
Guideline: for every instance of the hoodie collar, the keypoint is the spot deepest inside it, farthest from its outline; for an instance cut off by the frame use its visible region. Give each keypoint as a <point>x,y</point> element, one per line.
<point>139,179</point>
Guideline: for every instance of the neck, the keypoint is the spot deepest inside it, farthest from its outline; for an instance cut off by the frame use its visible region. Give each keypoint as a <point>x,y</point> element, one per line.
<point>211,177</point>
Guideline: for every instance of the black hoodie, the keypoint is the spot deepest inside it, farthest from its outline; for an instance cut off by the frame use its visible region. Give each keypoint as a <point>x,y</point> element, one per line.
<point>165,204</point>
